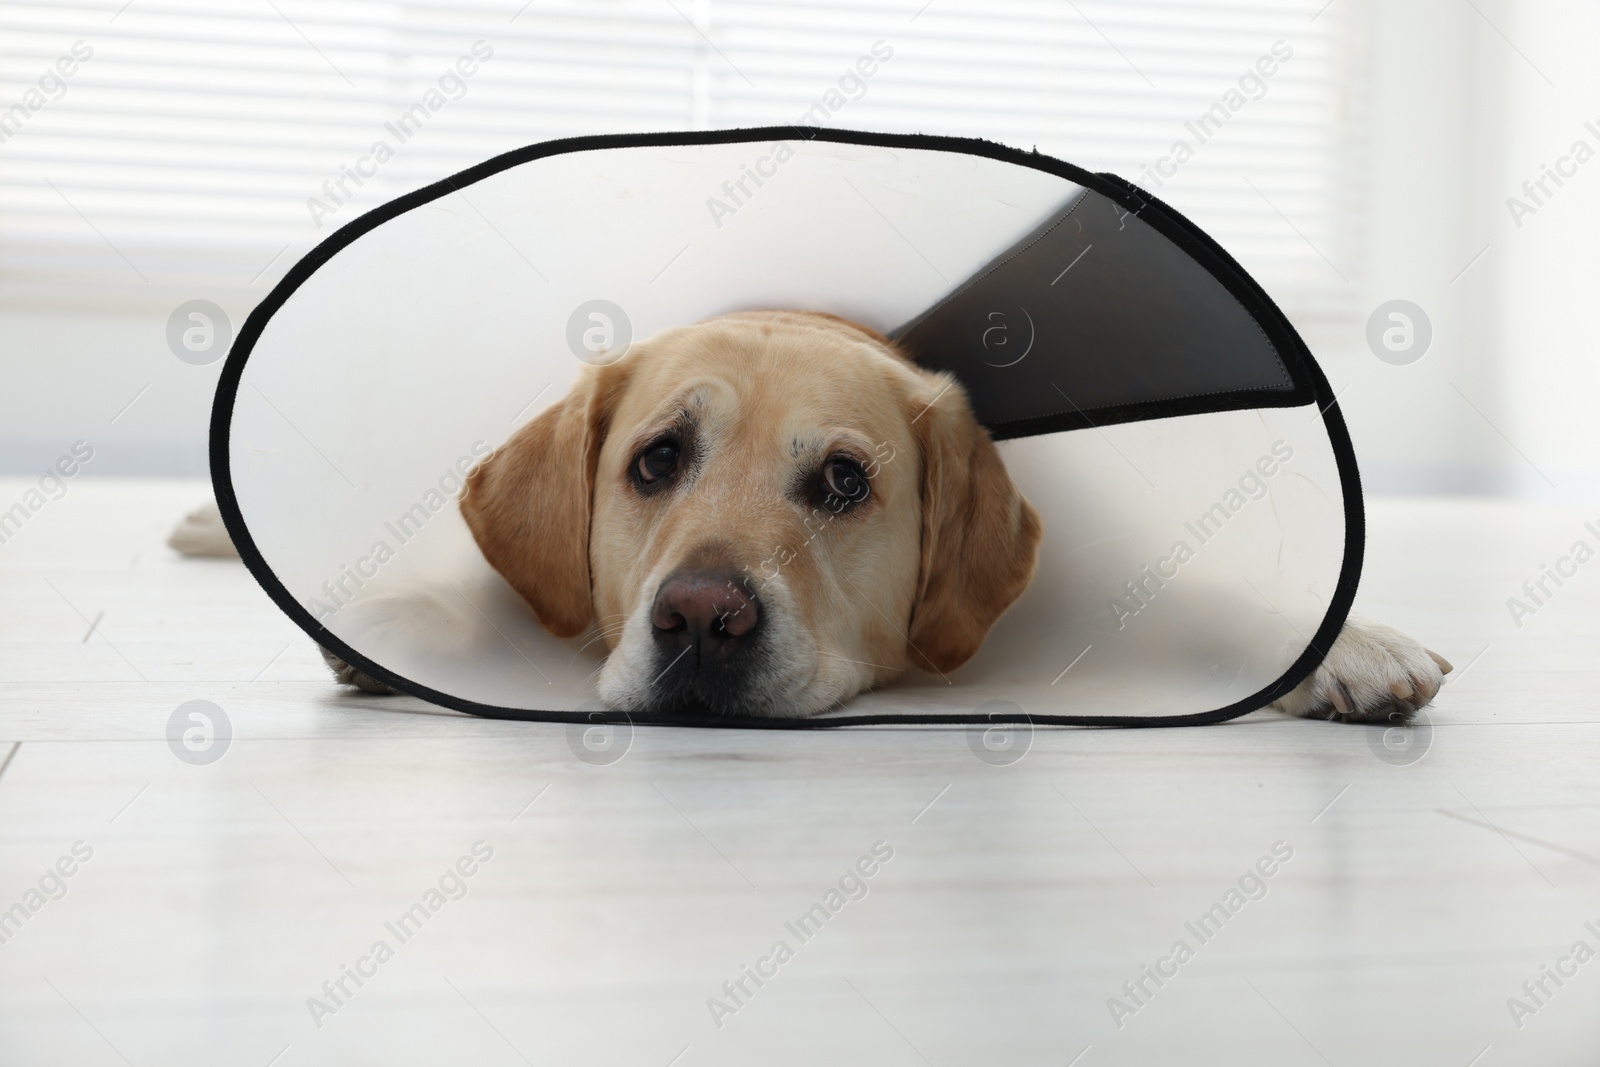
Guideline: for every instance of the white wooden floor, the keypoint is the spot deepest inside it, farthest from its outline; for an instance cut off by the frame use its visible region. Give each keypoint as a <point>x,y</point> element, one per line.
<point>619,897</point>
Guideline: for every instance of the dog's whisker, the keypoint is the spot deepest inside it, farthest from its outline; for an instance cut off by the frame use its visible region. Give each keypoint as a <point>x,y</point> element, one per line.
<point>899,631</point>
<point>863,662</point>
<point>600,635</point>
<point>597,637</point>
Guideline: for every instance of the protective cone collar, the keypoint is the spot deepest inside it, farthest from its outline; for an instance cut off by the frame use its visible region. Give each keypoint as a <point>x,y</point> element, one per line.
<point>1202,510</point>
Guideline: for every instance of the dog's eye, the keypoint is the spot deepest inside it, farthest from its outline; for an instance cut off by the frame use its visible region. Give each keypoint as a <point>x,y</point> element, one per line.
<point>657,462</point>
<point>843,479</point>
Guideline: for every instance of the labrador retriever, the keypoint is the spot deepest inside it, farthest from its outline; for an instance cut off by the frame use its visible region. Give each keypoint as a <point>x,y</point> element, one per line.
<point>770,512</point>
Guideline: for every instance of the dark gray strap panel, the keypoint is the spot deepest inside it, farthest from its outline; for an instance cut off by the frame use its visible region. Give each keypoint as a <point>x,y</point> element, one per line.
<point>1097,318</point>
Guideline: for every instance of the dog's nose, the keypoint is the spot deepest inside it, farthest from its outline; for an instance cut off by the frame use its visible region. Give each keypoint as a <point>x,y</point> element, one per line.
<point>708,610</point>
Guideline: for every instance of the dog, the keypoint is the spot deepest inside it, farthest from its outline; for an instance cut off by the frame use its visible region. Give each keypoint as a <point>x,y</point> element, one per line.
<point>768,513</point>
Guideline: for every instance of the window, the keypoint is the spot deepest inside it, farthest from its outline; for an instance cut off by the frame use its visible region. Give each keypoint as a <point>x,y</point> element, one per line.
<point>199,146</point>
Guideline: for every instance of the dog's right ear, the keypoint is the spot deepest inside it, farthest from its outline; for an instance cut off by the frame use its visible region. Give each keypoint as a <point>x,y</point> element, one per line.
<point>528,502</point>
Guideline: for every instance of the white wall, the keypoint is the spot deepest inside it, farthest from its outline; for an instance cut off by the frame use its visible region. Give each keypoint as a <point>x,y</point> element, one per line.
<point>68,375</point>
<point>1432,122</point>
<point>1462,111</point>
<point>1551,264</point>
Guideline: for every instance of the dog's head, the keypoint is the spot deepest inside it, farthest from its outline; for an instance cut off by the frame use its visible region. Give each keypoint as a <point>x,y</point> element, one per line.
<point>764,513</point>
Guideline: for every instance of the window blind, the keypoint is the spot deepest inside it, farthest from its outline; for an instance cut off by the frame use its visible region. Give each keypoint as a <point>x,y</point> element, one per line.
<point>201,146</point>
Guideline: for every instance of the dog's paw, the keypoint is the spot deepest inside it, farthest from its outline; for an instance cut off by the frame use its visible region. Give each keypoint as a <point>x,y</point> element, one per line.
<point>201,533</point>
<point>345,674</point>
<point>1373,673</point>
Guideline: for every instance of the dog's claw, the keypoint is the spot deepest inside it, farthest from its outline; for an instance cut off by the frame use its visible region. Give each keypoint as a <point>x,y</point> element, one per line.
<point>1444,664</point>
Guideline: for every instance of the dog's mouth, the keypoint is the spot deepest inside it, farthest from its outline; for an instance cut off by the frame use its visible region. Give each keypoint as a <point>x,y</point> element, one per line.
<point>690,689</point>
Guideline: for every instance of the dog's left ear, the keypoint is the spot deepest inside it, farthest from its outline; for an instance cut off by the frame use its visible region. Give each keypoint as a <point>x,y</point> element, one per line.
<point>528,503</point>
<point>980,538</point>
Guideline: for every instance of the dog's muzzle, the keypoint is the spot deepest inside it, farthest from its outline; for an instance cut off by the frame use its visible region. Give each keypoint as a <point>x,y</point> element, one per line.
<point>707,632</point>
